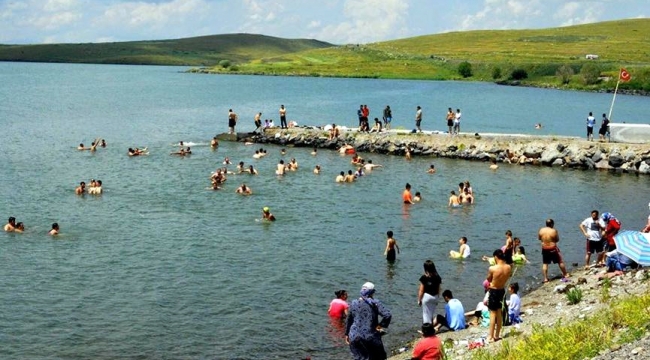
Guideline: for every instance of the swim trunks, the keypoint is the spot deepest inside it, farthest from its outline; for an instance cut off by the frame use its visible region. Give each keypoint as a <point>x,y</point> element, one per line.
<point>495,299</point>
<point>595,246</point>
<point>390,255</point>
<point>450,122</point>
<point>551,255</point>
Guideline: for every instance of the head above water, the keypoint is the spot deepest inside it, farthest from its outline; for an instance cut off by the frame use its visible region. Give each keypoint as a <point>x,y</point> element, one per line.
<point>266,209</point>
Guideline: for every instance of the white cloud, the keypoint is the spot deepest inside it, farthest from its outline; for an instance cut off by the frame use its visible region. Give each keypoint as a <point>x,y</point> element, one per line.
<point>574,13</point>
<point>504,14</point>
<point>367,21</point>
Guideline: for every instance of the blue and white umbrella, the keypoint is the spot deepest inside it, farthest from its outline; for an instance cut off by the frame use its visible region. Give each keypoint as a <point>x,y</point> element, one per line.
<point>635,245</point>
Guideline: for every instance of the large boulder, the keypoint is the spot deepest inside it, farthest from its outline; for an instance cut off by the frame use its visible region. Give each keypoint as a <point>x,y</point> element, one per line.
<point>533,151</point>
<point>598,155</point>
<point>616,160</point>
<point>644,168</point>
<point>550,155</point>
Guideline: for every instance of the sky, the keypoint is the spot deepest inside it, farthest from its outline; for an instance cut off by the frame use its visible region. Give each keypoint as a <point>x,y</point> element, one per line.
<point>334,21</point>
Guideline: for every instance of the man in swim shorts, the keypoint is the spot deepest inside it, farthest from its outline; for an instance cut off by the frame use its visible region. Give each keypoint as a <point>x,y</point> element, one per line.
<point>232,122</point>
<point>550,252</point>
<point>498,275</point>
<point>454,200</point>
<point>450,120</point>
<point>258,121</point>
<point>391,247</point>
<point>406,195</point>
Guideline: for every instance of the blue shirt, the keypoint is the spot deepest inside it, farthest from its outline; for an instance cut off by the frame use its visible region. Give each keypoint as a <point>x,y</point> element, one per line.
<point>455,314</point>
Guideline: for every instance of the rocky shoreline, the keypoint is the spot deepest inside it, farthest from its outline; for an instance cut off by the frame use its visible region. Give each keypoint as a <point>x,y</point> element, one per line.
<point>552,151</point>
<point>548,305</point>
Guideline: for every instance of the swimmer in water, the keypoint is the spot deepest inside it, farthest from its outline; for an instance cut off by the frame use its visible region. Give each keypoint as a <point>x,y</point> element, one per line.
<point>454,201</point>
<point>81,189</point>
<point>317,169</point>
<point>341,177</point>
<point>180,152</point>
<point>244,190</point>
<point>466,197</point>
<point>281,168</point>
<point>55,230</point>
<point>251,170</point>
<point>226,161</point>
<point>283,152</point>
<point>493,164</point>
<point>370,166</point>
<point>214,143</point>
<point>240,167</point>
<point>350,177</point>
<point>432,169</point>
<point>314,152</point>
<point>103,144</point>
<point>11,224</point>
<point>391,247</point>
<point>406,195</point>
<point>20,227</point>
<point>188,151</point>
<point>293,164</point>
<point>257,155</point>
<point>417,197</point>
<point>463,250</point>
<point>82,147</point>
<point>538,126</point>
<point>266,214</point>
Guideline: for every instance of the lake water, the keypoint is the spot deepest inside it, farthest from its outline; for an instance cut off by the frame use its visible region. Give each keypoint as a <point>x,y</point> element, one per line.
<point>160,267</point>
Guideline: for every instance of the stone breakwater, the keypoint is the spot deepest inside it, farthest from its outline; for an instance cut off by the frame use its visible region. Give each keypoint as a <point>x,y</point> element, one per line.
<point>555,151</point>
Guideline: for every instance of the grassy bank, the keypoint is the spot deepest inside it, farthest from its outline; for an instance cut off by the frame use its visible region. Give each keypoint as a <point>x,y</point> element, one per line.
<point>624,321</point>
<point>552,57</point>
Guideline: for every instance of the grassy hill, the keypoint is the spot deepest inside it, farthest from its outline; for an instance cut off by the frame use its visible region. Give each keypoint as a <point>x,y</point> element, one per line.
<point>493,55</point>
<point>196,51</point>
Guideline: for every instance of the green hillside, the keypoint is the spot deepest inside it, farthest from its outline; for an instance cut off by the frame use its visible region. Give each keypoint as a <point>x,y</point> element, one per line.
<point>493,55</point>
<point>196,51</point>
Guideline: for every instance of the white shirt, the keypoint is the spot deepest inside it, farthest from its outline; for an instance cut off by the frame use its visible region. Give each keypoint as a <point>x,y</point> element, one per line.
<point>593,228</point>
<point>514,305</point>
<point>466,252</point>
<point>457,119</point>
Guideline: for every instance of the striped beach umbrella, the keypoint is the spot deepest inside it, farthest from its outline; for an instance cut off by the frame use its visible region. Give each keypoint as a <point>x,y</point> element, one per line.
<point>635,245</point>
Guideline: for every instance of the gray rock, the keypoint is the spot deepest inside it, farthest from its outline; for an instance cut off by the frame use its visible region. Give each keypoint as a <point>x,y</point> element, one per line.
<point>598,155</point>
<point>558,162</point>
<point>533,152</point>
<point>629,155</point>
<point>644,168</point>
<point>560,147</point>
<point>549,156</point>
<point>603,165</point>
<point>615,160</point>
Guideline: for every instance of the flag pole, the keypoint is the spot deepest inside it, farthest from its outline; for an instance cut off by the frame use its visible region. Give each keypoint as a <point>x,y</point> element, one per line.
<point>614,99</point>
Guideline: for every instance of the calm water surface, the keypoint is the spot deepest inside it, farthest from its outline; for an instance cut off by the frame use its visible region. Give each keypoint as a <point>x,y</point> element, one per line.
<point>160,267</point>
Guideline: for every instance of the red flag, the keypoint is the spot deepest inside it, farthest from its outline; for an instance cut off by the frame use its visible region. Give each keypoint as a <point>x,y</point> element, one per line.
<point>625,76</point>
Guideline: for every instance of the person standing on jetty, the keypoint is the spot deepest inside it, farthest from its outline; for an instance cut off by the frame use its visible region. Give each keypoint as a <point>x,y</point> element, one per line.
<point>258,121</point>
<point>450,121</point>
<point>428,291</point>
<point>498,275</point>
<point>457,122</point>
<point>388,117</point>
<point>604,128</point>
<point>591,122</point>
<point>391,247</point>
<point>363,329</point>
<point>232,121</point>
<point>592,228</point>
<point>418,118</point>
<point>283,117</point>
<point>550,252</point>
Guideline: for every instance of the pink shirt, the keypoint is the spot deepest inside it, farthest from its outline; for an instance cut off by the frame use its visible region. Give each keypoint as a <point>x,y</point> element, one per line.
<point>337,308</point>
<point>429,348</point>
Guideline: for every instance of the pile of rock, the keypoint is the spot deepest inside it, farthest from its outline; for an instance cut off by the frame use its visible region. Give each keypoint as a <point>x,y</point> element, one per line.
<point>565,152</point>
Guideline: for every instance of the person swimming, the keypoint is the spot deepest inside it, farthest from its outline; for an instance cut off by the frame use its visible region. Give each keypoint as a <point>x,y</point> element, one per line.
<point>432,169</point>
<point>55,230</point>
<point>266,214</point>
<point>317,169</point>
<point>454,200</point>
<point>244,190</point>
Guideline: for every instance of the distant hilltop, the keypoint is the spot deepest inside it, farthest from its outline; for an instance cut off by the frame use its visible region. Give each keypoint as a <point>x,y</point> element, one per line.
<point>195,51</point>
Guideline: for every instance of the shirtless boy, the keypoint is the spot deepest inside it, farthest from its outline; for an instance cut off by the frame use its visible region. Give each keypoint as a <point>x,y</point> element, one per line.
<point>550,252</point>
<point>391,247</point>
<point>55,230</point>
<point>11,225</point>
<point>281,168</point>
<point>350,177</point>
<point>498,275</point>
<point>454,201</point>
<point>81,189</point>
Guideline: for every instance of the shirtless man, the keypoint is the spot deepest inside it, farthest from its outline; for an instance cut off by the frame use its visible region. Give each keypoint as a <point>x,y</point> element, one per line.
<point>454,201</point>
<point>281,168</point>
<point>257,155</point>
<point>341,177</point>
<point>214,143</point>
<point>103,143</point>
<point>432,169</point>
<point>550,252</point>
<point>493,164</point>
<point>391,247</point>
<point>314,152</point>
<point>82,147</point>
<point>11,225</point>
<point>81,189</point>
<point>466,197</point>
<point>283,117</point>
<point>244,190</point>
<point>369,166</point>
<point>20,227</point>
<point>334,132</point>
<point>240,167</point>
<point>258,121</point>
<point>350,177</point>
<point>497,276</point>
<point>317,169</point>
<point>406,195</point>
<point>55,230</point>
<point>232,121</point>
<point>251,170</point>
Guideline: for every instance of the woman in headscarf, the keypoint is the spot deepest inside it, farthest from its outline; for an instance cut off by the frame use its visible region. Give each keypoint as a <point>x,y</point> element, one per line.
<point>429,291</point>
<point>363,329</point>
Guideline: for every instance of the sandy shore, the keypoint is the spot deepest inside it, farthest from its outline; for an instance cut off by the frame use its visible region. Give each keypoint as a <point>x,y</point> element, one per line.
<point>548,305</point>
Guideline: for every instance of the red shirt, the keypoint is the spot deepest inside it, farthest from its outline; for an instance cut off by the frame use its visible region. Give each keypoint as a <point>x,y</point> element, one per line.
<point>613,226</point>
<point>429,348</point>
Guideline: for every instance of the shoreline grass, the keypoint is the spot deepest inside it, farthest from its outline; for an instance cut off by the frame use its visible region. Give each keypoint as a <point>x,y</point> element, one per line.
<point>624,321</point>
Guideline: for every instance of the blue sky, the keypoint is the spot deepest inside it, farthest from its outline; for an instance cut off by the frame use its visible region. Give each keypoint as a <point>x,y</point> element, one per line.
<point>335,21</point>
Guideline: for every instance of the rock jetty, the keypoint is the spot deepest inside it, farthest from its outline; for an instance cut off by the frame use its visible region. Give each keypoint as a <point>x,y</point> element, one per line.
<point>555,151</point>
